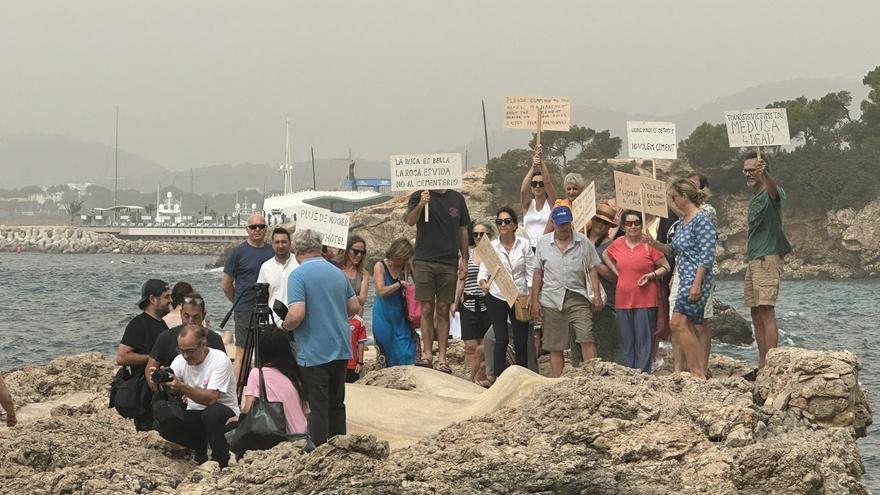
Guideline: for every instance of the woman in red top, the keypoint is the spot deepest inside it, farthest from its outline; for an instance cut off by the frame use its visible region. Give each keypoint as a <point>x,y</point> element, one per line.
<point>637,266</point>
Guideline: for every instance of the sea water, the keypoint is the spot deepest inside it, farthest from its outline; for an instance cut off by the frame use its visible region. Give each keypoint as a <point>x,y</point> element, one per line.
<point>56,305</point>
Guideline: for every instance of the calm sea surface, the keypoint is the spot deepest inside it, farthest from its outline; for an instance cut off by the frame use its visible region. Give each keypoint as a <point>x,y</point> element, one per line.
<point>54,305</point>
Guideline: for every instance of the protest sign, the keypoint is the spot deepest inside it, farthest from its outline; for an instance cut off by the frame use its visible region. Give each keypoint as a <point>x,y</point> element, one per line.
<point>651,140</point>
<point>424,172</point>
<point>628,194</point>
<point>521,112</point>
<point>499,273</point>
<point>583,208</point>
<point>760,127</point>
<point>333,227</point>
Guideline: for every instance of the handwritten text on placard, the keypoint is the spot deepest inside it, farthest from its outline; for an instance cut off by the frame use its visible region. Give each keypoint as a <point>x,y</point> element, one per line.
<point>627,194</point>
<point>420,172</point>
<point>651,140</point>
<point>761,127</point>
<point>520,112</point>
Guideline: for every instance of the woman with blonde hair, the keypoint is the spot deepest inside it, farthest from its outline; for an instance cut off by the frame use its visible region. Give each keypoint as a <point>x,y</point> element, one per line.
<point>391,328</point>
<point>694,250</point>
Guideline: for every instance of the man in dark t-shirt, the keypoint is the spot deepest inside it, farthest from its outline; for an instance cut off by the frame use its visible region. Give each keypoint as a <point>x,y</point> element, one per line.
<point>192,311</point>
<point>441,246</point>
<point>141,333</point>
<point>240,274</point>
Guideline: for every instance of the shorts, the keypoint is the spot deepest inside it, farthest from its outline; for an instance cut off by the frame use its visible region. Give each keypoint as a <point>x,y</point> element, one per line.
<point>577,313</point>
<point>242,320</point>
<point>474,323</point>
<point>762,281</point>
<point>434,281</point>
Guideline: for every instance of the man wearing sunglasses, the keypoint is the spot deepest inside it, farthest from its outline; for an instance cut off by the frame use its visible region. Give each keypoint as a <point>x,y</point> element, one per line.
<point>192,312</point>
<point>240,274</point>
<point>765,249</point>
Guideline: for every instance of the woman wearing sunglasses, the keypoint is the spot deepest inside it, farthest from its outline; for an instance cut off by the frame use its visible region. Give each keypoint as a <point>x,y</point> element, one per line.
<point>536,195</point>
<point>353,266</point>
<point>471,304</point>
<point>516,257</point>
<point>638,267</point>
<point>694,250</point>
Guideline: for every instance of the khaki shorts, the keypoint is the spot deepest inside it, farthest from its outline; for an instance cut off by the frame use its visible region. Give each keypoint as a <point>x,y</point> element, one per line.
<point>762,281</point>
<point>434,281</point>
<point>577,313</point>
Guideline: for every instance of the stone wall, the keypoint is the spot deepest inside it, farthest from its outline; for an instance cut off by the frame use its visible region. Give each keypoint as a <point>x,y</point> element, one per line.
<point>74,240</point>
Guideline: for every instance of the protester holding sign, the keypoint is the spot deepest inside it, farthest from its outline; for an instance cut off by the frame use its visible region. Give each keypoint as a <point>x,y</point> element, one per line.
<point>536,195</point>
<point>441,245</point>
<point>694,250</point>
<point>564,265</point>
<point>471,304</point>
<point>766,248</point>
<point>635,301</point>
<point>390,324</point>
<point>516,254</point>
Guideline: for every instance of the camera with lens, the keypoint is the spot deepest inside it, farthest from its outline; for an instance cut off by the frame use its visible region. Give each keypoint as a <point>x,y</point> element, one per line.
<point>162,375</point>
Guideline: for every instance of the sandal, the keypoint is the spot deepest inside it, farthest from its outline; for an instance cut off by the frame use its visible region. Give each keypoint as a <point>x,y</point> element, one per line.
<point>423,363</point>
<point>483,383</point>
<point>444,368</point>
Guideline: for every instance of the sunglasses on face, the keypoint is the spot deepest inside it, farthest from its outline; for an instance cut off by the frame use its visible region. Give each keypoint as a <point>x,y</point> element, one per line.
<point>257,226</point>
<point>193,300</point>
<point>633,223</point>
<point>503,221</point>
<point>358,252</point>
<point>537,183</point>
<point>477,235</point>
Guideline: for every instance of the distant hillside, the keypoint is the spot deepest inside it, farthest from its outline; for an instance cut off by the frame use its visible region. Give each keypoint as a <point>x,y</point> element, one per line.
<point>43,159</point>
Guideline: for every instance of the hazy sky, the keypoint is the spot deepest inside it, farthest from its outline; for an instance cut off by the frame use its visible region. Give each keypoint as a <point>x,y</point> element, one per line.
<point>207,82</point>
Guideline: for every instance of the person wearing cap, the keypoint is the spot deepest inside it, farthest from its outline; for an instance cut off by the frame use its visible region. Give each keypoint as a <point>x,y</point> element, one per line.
<point>605,321</point>
<point>240,274</point>
<point>141,333</point>
<point>564,273</point>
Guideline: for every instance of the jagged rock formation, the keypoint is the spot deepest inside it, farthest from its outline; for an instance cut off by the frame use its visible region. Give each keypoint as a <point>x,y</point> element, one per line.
<point>601,429</point>
<point>74,240</point>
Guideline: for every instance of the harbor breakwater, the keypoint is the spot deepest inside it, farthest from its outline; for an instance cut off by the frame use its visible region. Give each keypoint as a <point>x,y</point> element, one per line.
<point>77,240</point>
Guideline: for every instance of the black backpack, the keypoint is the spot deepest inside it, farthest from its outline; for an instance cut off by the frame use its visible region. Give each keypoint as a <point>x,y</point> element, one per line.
<point>129,393</point>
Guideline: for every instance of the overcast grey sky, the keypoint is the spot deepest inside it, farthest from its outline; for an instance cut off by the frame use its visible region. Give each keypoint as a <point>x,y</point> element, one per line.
<point>207,82</point>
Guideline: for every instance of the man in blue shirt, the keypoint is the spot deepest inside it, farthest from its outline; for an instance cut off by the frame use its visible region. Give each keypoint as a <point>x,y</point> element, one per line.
<point>321,301</point>
<point>240,274</point>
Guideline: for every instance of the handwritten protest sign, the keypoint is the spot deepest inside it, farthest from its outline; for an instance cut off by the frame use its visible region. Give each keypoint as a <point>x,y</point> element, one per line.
<point>760,127</point>
<point>628,194</point>
<point>651,140</point>
<point>333,227</point>
<point>583,208</point>
<point>498,272</point>
<point>421,172</point>
<point>520,112</point>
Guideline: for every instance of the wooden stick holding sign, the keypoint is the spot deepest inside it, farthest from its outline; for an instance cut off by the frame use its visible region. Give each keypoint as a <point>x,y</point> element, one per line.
<point>644,222</point>
<point>540,125</point>
<point>427,205</point>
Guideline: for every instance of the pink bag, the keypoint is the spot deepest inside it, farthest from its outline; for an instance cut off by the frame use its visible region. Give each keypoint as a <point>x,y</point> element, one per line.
<point>413,307</point>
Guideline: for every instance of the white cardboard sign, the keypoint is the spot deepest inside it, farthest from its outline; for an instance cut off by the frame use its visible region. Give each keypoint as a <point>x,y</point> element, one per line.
<point>628,195</point>
<point>497,271</point>
<point>760,127</point>
<point>333,227</point>
<point>651,140</point>
<point>520,112</point>
<point>583,208</point>
<point>425,172</point>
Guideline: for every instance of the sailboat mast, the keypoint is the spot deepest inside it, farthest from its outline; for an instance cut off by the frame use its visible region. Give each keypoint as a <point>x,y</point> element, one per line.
<point>288,172</point>
<point>116,165</point>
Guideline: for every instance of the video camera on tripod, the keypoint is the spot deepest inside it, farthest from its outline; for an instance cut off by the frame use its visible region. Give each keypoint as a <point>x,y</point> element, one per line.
<point>261,318</point>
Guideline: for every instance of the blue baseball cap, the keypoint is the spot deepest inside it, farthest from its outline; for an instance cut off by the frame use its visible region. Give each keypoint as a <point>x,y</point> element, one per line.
<point>561,214</point>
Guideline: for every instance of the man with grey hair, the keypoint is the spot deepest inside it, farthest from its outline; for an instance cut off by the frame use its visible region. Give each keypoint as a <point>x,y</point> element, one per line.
<point>204,376</point>
<point>240,274</point>
<point>321,301</point>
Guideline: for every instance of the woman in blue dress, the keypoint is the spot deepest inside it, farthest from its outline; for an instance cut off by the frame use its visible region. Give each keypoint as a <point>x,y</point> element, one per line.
<point>391,328</point>
<point>694,250</point>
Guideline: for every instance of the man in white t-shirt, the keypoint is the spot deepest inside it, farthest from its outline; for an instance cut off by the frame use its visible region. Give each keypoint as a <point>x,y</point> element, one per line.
<point>205,378</point>
<point>276,270</point>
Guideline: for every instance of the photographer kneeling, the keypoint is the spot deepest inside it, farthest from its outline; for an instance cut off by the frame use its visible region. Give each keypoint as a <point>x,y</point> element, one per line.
<point>204,377</point>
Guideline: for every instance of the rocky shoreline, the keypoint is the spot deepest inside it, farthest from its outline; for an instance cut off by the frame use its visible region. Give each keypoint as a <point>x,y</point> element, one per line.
<point>75,240</point>
<point>601,429</point>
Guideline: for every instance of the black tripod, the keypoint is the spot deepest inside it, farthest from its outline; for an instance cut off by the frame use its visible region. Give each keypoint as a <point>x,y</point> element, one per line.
<point>260,319</point>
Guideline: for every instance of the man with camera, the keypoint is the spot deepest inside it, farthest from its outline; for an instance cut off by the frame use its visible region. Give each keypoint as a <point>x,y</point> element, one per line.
<point>192,311</point>
<point>203,377</point>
